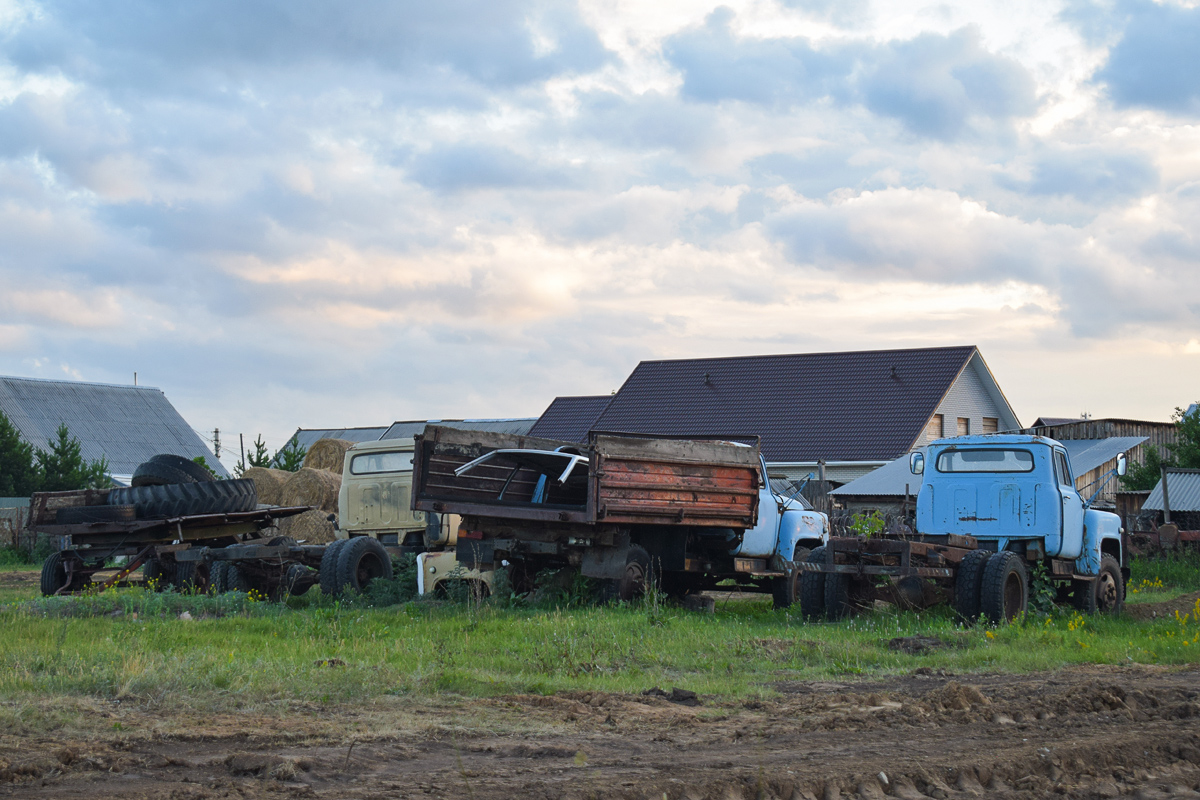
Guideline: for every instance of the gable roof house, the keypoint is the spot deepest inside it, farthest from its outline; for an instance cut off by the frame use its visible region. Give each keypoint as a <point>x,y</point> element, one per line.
<point>125,425</point>
<point>855,411</point>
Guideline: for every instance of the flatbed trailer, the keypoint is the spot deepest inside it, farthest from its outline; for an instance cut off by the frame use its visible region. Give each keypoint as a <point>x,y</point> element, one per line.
<point>168,545</point>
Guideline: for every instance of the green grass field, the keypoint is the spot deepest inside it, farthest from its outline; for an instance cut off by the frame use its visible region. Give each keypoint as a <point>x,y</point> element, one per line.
<point>235,653</point>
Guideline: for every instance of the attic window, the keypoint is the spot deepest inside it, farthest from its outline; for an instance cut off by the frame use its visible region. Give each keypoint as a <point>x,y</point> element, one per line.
<point>936,428</point>
<point>991,424</point>
<point>964,426</point>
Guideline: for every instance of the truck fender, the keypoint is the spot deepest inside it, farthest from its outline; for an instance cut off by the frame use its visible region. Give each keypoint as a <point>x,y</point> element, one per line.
<point>800,525</point>
<point>1101,536</point>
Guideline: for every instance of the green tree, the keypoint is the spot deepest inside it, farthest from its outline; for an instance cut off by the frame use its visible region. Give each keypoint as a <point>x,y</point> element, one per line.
<point>202,461</point>
<point>260,457</point>
<point>1186,450</point>
<point>18,472</point>
<point>290,456</point>
<point>62,468</point>
<point>1144,476</point>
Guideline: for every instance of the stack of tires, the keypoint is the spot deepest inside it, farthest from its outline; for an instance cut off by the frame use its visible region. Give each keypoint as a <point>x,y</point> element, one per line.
<point>169,486</point>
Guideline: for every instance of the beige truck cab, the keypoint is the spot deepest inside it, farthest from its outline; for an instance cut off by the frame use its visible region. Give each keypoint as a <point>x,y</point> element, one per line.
<point>376,500</point>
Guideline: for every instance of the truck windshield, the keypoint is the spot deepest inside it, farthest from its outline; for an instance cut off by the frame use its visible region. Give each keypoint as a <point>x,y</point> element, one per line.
<point>370,463</point>
<point>989,460</point>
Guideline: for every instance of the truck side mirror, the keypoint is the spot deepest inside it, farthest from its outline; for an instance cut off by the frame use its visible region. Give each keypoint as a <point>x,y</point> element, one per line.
<point>916,463</point>
<point>1121,465</point>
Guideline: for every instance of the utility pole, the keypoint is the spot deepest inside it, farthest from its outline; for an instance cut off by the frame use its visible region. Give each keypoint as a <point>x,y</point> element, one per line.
<point>217,442</point>
<point>242,445</point>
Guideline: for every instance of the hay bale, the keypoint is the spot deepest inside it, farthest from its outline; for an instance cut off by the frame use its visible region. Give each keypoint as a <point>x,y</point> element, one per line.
<point>311,487</point>
<point>311,527</point>
<point>268,482</point>
<point>328,454</point>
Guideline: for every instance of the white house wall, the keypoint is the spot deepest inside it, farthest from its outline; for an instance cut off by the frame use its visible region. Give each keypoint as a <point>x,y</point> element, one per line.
<point>969,397</point>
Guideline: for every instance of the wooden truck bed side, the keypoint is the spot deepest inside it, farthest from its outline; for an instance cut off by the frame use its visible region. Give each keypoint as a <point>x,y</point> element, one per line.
<point>630,480</point>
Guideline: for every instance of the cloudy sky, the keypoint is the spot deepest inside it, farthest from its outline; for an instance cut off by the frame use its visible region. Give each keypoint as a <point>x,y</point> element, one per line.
<point>287,213</point>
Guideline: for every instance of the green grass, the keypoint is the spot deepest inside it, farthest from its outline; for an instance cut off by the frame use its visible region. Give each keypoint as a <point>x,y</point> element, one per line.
<point>1163,577</point>
<point>132,646</point>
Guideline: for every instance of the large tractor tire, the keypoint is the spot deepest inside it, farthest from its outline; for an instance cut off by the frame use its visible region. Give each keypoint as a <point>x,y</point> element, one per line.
<point>184,465</point>
<point>968,584</point>
<point>1004,594</point>
<point>152,473</point>
<point>188,499</point>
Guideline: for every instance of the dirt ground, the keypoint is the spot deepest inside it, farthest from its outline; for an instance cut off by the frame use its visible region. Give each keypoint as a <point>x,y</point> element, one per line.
<point>1080,733</point>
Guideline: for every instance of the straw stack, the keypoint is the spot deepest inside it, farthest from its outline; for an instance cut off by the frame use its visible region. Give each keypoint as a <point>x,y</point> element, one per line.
<point>268,482</point>
<point>328,454</point>
<point>311,527</point>
<point>311,487</point>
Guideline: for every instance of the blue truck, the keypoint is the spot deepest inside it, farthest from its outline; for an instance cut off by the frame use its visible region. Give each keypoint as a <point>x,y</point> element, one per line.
<point>992,509</point>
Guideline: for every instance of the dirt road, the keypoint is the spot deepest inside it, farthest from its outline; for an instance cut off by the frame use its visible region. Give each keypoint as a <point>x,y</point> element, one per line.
<point>1083,732</point>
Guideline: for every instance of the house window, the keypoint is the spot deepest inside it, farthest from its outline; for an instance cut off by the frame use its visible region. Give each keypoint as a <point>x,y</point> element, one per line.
<point>991,424</point>
<point>935,429</point>
<point>964,426</point>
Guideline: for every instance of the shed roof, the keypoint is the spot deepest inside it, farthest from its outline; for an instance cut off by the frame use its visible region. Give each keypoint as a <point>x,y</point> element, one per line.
<point>407,429</point>
<point>853,406</point>
<point>1087,454</point>
<point>1183,491</point>
<point>568,419</point>
<point>125,425</point>
<point>307,437</point>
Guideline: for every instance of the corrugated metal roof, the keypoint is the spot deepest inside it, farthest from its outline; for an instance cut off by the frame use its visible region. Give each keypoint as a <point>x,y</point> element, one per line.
<point>889,480</point>
<point>124,424</point>
<point>308,436</point>
<point>1087,454</point>
<point>853,406</point>
<point>568,419</point>
<point>1042,422</point>
<point>407,429</point>
<point>1183,491</point>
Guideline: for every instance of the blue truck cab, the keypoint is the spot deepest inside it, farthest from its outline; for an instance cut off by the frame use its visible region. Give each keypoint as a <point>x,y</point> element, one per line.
<point>1016,493</point>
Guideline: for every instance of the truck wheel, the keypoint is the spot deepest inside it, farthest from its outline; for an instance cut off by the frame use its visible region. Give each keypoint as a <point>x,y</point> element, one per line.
<point>812,588</point>
<point>1005,591</point>
<point>192,577</point>
<point>237,580</point>
<point>1106,594</point>
<point>218,577</point>
<point>188,499</point>
<point>785,590</point>
<point>157,574</point>
<point>54,575</point>
<point>632,583</point>
<point>328,569</point>
<point>968,583</point>
<point>361,561</point>
<point>837,596</point>
<point>184,465</point>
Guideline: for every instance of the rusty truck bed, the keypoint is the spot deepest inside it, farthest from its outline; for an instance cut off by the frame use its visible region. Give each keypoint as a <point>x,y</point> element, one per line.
<point>625,480</point>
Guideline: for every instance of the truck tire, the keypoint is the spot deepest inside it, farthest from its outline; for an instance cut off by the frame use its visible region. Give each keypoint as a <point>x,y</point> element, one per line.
<point>1005,590</point>
<point>188,499</point>
<point>54,575</point>
<point>1106,594</point>
<point>237,580</point>
<point>812,589</point>
<point>328,569</point>
<point>785,590</point>
<point>633,581</point>
<point>152,473</point>
<point>968,583</point>
<point>184,465</point>
<point>82,515</point>
<point>192,577</point>
<point>837,597</point>
<point>218,577</point>
<point>361,561</point>
<point>157,573</point>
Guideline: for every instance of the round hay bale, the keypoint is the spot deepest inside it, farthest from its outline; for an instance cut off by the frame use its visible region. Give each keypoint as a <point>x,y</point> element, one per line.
<point>268,482</point>
<point>328,454</point>
<point>311,487</point>
<point>311,527</point>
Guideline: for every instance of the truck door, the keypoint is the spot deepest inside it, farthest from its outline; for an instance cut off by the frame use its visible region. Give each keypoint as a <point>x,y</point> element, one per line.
<point>1072,508</point>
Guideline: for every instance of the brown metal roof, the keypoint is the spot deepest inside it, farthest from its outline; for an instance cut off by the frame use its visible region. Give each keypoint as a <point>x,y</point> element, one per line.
<point>569,419</point>
<point>851,406</point>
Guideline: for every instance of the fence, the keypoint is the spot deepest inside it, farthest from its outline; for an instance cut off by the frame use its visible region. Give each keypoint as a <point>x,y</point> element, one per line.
<point>14,513</point>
